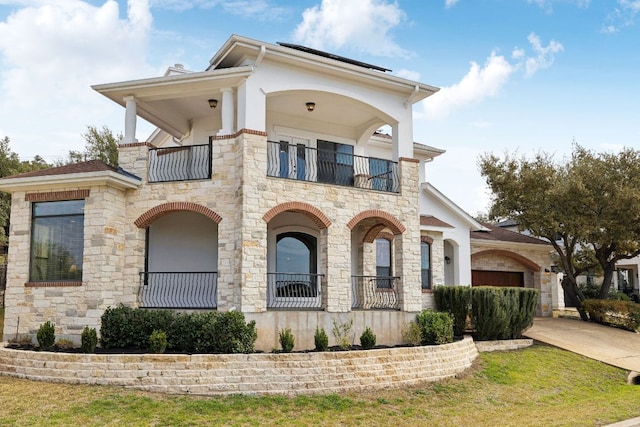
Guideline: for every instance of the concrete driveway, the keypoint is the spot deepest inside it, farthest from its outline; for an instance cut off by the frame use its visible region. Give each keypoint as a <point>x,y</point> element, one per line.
<point>609,345</point>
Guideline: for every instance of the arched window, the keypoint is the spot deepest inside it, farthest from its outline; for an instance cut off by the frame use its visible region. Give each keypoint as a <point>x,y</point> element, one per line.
<point>296,253</point>
<point>425,264</point>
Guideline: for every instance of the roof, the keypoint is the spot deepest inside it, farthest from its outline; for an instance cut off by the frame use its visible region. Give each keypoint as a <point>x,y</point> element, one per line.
<point>433,221</point>
<point>92,172</point>
<point>333,56</point>
<point>452,207</point>
<point>82,167</point>
<point>498,234</point>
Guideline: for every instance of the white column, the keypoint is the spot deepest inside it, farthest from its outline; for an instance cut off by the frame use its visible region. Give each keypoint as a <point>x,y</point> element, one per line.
<point>227,112</point>
<point>130,120</point>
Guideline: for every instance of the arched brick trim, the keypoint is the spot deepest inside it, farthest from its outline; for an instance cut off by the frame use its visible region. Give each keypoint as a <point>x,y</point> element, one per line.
<point>147,218</point>
<point>508,254</point>
<point>385,218</point>
<point>385,235</point>
<point>373,232</point>
<point>426,239</point>
<point>313,213</point>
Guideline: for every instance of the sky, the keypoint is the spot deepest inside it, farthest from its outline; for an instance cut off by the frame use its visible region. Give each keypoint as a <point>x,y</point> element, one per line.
<point>516,76</point>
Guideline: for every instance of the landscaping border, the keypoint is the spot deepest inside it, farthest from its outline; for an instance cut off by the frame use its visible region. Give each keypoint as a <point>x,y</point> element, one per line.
<point>252,374</point>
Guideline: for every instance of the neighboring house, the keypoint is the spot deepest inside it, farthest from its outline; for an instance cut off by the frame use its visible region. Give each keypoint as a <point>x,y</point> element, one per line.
<point>501,257</point>
<point>266,189</point>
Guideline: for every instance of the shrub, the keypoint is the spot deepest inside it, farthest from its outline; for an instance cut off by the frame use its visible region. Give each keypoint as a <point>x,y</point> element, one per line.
<point>435,327</point>
<point>211,332</point>
<point>623,314</point>
<point>321,340</point>
<point>157,341</point>
<point>88,340</point>
<point>411,334</point>
<point>341,332</point>
<point>499,313</point>
<point>46,335</point>
<point>455,300</point>
<point>368,339</point>
<point>287,341</point>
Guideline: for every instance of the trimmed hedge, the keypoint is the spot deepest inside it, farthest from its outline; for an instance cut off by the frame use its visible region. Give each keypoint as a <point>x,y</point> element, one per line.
<point>496,312</point>
<point>455,300</point>
<point>210,332</point>
<point>502,313</point>
<point>436,327</point>
<point>622,314</point>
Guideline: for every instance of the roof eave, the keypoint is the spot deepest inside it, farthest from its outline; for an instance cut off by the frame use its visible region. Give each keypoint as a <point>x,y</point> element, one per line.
<point>464,216</point>
<point>84,179</point>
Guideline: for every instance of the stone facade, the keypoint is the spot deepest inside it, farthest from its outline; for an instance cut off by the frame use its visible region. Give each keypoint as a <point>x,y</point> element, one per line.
<point>239,197</point>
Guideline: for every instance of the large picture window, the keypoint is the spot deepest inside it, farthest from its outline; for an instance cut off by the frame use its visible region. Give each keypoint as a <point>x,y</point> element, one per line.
<point>57,240</point>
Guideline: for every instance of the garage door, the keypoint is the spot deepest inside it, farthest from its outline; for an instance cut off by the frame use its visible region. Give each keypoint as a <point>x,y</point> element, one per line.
<point>497,278</point>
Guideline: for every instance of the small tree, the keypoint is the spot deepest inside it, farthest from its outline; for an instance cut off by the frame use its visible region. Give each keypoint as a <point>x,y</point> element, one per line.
<point>100,144</point>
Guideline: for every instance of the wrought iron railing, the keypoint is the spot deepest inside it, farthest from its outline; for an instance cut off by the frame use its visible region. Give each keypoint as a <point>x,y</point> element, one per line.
<point>294,290</point>
<point>371,292</point>
<point>178,290</point>
<point>184,163</point>
<point>304,163</point>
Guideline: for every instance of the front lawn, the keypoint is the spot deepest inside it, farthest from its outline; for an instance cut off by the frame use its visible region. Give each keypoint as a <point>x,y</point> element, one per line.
<point>538,386</point>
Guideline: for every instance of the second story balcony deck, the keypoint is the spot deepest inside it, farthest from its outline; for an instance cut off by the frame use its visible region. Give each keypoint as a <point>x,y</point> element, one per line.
<point>184,163</point>
<point>333,164</point>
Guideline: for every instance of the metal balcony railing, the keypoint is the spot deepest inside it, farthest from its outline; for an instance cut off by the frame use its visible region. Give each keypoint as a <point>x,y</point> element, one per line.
<point>374,292</point>
<point>294,290</point>
<point>304,163</point>
<point>178,290</point>
<point>186,163</point>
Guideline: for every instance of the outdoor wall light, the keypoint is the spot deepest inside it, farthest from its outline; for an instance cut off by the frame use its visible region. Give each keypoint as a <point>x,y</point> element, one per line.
<point>213,103</point>
<point>311,106</point>
<point>447,260</point>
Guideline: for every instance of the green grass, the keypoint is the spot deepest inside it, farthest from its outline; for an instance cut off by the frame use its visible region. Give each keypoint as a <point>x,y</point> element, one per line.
<point>538,386</point>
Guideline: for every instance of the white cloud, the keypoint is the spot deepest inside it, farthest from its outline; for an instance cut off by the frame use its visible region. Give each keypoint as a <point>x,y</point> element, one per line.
<point>363,25</point>
<point>450,3</point>
<point>260,9</point>
<point>408,74</point>
<point>623,15</point>
<point>51,53</point>
<point>483,82</point>
<point>547,5</point>
<point>479,83</point>
<point>545,55</point>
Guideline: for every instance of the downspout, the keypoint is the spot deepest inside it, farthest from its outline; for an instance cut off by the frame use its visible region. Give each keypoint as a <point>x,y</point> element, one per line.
<point>412,97</point>
<point>263,51</point>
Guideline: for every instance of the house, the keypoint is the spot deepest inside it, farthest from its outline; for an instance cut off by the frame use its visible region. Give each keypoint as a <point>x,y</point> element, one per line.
<point>266,189</point>
<point>502,257</point>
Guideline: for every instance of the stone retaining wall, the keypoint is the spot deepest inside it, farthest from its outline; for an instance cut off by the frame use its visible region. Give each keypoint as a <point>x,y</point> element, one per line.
<point>255,374</point>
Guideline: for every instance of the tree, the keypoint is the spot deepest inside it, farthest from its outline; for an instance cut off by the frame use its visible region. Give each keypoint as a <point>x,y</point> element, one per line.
<point>100,144</point>
<point>587,207</point>
<point>10,164</point>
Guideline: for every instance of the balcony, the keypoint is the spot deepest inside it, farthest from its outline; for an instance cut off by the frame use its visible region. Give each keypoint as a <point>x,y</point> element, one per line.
<point>294,291</point>
<point>178,290</point>
<point>185,163</point>
<point>374,292</point>
<point>338,166</point>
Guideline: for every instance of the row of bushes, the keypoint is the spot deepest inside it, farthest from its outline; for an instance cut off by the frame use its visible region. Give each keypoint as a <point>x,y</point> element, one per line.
<point>622,314</point>
<point>495,313</point>
<point>210,332</point>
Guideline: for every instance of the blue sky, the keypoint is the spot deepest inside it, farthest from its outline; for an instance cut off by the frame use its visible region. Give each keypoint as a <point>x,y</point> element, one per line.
<point>516,75</point>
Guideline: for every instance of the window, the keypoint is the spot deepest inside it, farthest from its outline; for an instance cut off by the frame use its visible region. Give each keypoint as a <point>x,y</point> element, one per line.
<point>296,266</point>
<point>335,163</point>
<point>425,264</point>
<point>383,263</point>
<point>381,174</point>
<point>57,241</point>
